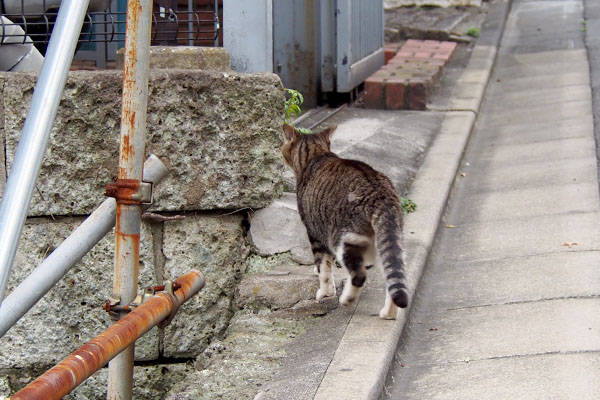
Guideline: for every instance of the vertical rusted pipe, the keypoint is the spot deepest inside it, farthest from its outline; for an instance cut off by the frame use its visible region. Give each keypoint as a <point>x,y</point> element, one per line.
<point>82,363</point>
<point>127,228</point>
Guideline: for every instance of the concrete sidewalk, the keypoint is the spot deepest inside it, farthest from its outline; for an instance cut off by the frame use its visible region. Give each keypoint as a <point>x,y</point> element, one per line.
<point>508,306</point>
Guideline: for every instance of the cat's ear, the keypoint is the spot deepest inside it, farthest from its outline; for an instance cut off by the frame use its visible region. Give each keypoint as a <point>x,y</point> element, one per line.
<point>327,133</point>
<point>290,132</point>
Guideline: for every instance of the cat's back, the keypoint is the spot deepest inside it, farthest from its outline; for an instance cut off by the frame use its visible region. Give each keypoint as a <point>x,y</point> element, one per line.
<point>336,181</point>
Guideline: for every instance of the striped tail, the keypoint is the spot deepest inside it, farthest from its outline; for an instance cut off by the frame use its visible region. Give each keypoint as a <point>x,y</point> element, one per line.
<point>387,224</point>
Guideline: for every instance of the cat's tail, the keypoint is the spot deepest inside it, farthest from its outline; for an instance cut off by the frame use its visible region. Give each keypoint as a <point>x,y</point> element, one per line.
<point>387,224</point>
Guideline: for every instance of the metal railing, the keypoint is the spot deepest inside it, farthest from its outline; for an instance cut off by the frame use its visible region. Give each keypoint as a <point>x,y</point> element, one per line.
<point>178,27</point>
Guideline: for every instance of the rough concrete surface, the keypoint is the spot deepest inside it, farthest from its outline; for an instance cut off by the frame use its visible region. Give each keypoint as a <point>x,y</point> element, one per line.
<point>237,367</point>
<point>218,133</point>
<point>71,313</point>
<point>215,245</point>
<point>277,228</point>
<point>184,57</point>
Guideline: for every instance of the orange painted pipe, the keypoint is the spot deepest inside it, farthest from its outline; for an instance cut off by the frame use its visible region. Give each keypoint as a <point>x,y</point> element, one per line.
<point>58,381</point>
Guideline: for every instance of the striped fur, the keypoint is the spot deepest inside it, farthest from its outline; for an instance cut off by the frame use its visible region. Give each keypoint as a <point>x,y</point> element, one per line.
<point>351,212</point>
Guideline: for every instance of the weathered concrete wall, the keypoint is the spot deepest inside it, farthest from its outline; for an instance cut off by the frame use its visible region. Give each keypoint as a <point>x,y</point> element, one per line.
<point>217,132</point>
<point>219,135</point>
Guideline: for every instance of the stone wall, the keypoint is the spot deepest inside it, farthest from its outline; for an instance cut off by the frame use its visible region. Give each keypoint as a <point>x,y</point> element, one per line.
<point>219,135</point>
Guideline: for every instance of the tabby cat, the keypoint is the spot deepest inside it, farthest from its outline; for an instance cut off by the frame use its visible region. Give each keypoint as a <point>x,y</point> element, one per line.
<point>351,212</point>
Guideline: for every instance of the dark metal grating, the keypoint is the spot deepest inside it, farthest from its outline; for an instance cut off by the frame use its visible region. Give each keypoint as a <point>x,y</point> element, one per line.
<point>168,27</point>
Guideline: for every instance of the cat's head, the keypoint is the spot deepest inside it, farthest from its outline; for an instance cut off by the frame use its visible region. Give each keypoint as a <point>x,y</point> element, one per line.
<point>299,148</point>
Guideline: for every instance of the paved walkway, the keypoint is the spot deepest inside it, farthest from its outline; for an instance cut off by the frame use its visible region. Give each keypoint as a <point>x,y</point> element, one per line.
<point>509,304</point>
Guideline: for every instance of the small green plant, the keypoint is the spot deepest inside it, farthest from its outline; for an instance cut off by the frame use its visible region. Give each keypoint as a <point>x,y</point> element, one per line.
<point>473,32</point>
<point>407,205</point>
<point>293,101</point>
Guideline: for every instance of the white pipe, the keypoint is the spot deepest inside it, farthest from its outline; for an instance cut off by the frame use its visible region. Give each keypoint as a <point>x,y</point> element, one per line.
<point>70,251</point>
<point>36,131</point>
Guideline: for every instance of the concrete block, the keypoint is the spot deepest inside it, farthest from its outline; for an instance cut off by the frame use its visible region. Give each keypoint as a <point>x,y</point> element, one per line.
<point>279,229</point>
<point>183,57</point>
<point>215,244</point>
<point>284,287</point>
<point>218,133</point>
<point>71,313</point>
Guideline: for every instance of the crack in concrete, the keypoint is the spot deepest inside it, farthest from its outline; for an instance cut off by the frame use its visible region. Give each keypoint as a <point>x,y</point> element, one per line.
<point>527,355</point>
<point>509,303</point>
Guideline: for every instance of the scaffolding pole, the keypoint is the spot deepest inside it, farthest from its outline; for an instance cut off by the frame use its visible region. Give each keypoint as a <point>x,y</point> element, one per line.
<point>36,131</point>
<point>128,190</point>
<point>58,381</point>
<point>70,251</point>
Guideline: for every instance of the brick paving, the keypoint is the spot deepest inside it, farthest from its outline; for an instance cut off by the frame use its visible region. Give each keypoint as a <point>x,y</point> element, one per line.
<point>406,81</point>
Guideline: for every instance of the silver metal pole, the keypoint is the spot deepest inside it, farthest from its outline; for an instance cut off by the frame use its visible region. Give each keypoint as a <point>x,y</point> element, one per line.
<point>131,158</point>
<point>36,131</point>
<point>191,23</point>
<point>70,251</point>
<point>217,23</point>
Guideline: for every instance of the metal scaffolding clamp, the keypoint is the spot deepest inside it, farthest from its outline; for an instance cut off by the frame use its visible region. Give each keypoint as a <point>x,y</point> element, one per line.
<point>130,191</point>
<point>114,307</point>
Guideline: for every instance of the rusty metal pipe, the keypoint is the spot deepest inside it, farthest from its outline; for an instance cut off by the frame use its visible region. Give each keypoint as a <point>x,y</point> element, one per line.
<point>131,157</point>
<point>82,363</point>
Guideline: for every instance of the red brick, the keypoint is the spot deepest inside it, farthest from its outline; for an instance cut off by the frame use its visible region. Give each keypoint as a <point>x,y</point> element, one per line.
<point>374,97</point>
<point>395,94</point>
<point>389,54</point>
<point>448,45</point>
<point>423,54</point>
<point>412,43</point>
<point>444,57</point>
<point>405,53</point>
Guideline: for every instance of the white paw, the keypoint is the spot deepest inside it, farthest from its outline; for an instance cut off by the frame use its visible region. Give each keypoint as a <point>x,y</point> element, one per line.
<point>388,313</point>
<point>316,270</point>
<point>326,291</point>
<point>347,299</point>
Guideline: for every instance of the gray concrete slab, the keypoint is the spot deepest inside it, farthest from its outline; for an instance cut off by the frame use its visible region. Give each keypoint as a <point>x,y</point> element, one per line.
<point>499,239</point>
<point>507,305</point>
<point>529,202</point>
<point>530,174</point>
<point>518,329</point>
<point>556,275</point>
<point>526,153</point>
<point>544,131</point>
<point>543,63</point>
<point>532,377</point>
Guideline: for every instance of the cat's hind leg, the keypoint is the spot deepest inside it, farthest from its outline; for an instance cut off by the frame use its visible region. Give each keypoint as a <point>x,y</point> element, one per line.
<point>390,309</point>
<point>326,281</point>
<point>324,262</point>
<point>352,256</point>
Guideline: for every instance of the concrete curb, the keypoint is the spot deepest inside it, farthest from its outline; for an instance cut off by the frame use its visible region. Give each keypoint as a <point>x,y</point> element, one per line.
<point>362,360</point>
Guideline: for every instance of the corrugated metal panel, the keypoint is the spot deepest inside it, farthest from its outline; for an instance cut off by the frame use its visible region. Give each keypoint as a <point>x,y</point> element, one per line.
<point>359,28</point>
